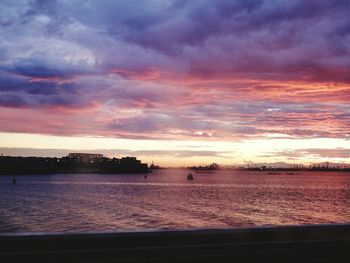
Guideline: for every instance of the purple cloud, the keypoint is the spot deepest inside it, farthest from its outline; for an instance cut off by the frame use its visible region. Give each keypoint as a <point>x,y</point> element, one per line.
<point>341,153</point>
<point>178,69</point>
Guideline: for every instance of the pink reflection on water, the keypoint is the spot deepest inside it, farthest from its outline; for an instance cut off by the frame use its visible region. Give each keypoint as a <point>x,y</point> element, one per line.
<point>91,202</point>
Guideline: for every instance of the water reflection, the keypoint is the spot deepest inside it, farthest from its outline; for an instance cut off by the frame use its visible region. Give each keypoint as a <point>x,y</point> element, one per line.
<point>88,202</point>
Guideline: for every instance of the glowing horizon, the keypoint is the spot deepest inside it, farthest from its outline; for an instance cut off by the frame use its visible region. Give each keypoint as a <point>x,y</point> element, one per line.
<point>187,153</point>
<point>175,82</point>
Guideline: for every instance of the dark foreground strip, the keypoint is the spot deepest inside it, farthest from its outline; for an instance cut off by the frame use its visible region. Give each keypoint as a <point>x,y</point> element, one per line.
<point>318,243</point>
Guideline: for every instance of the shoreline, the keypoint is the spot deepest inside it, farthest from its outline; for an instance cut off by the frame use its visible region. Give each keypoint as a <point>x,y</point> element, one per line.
<point>267,172</point>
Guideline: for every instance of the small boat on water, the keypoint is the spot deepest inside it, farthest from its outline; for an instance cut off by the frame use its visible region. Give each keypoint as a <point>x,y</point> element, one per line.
<point>190,177</point>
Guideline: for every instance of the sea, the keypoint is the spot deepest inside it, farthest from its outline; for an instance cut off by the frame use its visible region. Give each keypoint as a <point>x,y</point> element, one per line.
<point>80,203</point>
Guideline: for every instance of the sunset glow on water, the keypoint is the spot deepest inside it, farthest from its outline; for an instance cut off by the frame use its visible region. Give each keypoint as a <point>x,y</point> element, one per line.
<point>166,200</point>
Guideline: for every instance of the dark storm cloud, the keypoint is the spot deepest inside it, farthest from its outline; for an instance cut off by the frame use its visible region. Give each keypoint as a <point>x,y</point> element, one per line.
<point>36,68</point>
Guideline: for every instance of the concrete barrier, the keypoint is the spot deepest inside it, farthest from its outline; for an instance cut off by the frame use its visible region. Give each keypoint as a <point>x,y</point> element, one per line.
<point>312,243</point>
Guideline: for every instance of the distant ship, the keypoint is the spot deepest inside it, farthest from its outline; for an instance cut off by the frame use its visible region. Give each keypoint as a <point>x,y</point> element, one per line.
<point>206,169</point>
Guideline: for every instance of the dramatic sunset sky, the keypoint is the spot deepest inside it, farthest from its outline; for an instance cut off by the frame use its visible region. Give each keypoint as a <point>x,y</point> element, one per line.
<point>177,82</point>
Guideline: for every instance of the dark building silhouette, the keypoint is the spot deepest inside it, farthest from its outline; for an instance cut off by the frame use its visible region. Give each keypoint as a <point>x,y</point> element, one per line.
<point>73,163</point>
<point>85,157</point>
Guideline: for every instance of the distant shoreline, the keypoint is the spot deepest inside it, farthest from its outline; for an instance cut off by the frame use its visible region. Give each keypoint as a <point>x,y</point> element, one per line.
<point>282,172</point>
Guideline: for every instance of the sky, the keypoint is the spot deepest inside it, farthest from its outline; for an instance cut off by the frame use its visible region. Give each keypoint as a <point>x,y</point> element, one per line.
<point>177,82</point>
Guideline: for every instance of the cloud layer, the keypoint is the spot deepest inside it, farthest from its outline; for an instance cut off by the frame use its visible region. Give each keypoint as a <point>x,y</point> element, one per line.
<point>211,70</point>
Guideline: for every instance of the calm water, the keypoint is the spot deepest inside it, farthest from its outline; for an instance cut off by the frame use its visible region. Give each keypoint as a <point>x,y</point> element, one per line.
<point>166,200</point>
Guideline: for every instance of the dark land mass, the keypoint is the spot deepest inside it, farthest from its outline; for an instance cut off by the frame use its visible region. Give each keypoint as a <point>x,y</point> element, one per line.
<point>316,168</point>
<point>73,163</point>
<point>273,170</point>
<point>314,243</point>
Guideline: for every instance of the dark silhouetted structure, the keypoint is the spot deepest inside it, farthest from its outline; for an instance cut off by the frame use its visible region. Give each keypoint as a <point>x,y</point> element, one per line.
<point>73,163</point>
<point>209,168</point>
<point>190,177</point>
<point>307,244</point>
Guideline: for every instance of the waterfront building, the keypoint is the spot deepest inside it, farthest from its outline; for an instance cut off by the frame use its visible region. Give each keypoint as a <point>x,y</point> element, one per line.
<point>85,157</point>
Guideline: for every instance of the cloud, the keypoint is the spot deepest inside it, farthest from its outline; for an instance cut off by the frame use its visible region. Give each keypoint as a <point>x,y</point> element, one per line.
<point>38,69</point>
<point>213,70</point>
<point>113,152</point>
<point>341,153</point>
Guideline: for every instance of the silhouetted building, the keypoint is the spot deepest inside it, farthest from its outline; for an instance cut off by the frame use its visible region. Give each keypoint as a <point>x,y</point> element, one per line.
<point>85,157</point>
<point>73,163</point>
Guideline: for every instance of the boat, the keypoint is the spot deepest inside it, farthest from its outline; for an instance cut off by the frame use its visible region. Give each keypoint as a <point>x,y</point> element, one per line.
<point>190,177</point>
